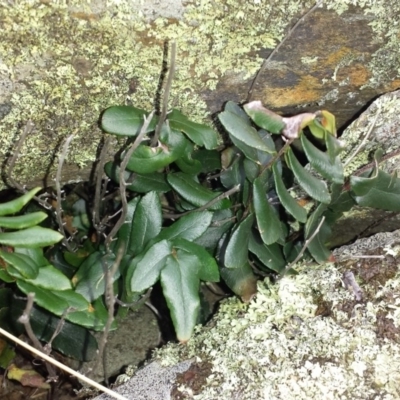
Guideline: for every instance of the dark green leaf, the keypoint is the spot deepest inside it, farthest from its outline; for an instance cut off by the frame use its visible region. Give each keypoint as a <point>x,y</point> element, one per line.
<point>317,247</point>
<point>194,192</point>
<point>334,146</point>
<point>189,227</point>
<point>55,301</point>
<point>187,163</point>
<point>147,222</point>
<point>125,120</point>
<point>141,183</point>
<point>268,222</point>
<point>241,131</point>
<point>251,169</point>
<point>264,118</point>
<point>241,281</point>
<point>210,159</point>
<point>94,317</point>
<point>321,162</point>
<point>200,134</point>
<point>236,253</point>
<point>23,221</point>
<point>286,199</point>
<point>180,283</point>
<point>236,109</point>
<point>51,278</point>
<point>208,268</point>
<point>312,186</point>
<point>25,266</point>
<point>381,191</point>
<point>35,236</point>
<point>146,159</point>
<point>271,256</point>
<point>221,222</point>
<point>89,279</point>
<point>147,270</point>
<point>125,232</point>
<point>13,206</point>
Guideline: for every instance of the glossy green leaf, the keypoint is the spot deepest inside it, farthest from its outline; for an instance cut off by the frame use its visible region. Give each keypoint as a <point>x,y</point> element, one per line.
<point>222,221</point>
<point>95,317</point>
<point>208,267</point>
<point>321,162</point>
<point>241,281</point>
<point>22,221</point>
<point>147,222</point>
<point>34,254</point>
<point>210,160</point>
<point>271,256</point>
<point>55,301</point>
<point>147,270</point>
<point>187,164</point>
<point>189,227</point>
<point>236,253</point>
<point>89,280</point>
<point>311,185</point>
<point>125,232</point>
<point>268,222</point>
<point>200,134</point>
<point>125,120</point>
<point>194,192</point>
<point>180,284</point>
<point>334,146</point>
<point>145,159</point>
<point>264,118</point>
<point>232,176</point>
<point>317,247</point>
<point>287,201</point>
<point>26,267</point>
<point>6,277</point>
<point>251,169</point>
<point>241,131</point>
<point>381,191</point>
<point>236,109</point>
<point>13,206</point>
<point>141,183</point>
<point>35,236</point>
<point>51,278</point>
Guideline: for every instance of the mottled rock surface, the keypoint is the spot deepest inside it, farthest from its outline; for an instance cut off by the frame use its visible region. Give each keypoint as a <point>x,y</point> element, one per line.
<point>62,64</point>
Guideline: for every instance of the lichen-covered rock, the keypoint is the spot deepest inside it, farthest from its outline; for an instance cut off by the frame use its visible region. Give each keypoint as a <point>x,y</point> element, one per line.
<point>331,332</point>
<point>61,64</point>
<point>377,128</point>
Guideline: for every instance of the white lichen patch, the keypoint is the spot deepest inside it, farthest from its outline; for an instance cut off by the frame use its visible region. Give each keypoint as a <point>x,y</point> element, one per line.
<point>377,128</point>
<point>281,347</point>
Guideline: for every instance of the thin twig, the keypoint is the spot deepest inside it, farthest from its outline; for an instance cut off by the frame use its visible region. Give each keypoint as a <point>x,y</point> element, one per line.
<point>25,320</point>
<point>59,211</point>
<point>167,90</point>
<point>110,302</point>
<point>304,248</point>
<point>361,145</point>
<point>58,329</point>
<point>98,188</point>
<point>207,205</point>
<point>136,303</point>
<point>122,183</point>
<point>272,54</point>
<point>277,155</point>
<point>62,366</point>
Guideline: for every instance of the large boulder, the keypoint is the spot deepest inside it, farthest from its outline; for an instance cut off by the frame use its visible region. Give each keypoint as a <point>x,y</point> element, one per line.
<point>61,64</point>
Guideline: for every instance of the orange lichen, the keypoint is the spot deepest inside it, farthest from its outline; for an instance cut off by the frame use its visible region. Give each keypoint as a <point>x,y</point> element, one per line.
<point>306,90</point>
